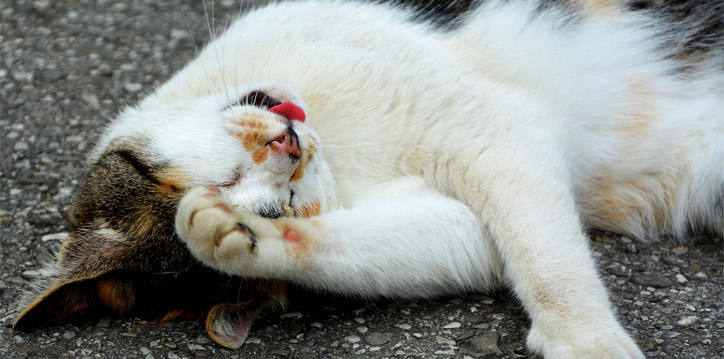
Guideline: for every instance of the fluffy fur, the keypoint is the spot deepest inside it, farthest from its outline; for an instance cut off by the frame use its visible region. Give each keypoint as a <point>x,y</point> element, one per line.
<point>443,159</point>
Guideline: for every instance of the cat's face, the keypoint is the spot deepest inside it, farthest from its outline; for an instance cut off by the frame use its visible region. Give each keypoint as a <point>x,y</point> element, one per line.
<point>251,142</point>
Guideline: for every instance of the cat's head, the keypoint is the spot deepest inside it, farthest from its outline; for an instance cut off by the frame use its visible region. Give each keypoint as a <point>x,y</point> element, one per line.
<point>264,159</point>
<point>123,254</point>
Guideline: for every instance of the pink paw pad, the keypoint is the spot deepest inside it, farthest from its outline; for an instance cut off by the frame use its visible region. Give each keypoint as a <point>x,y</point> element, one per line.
<point>292,236</point>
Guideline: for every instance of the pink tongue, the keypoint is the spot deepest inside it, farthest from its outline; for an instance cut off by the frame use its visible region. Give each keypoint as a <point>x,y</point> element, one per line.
<point>289,110</point>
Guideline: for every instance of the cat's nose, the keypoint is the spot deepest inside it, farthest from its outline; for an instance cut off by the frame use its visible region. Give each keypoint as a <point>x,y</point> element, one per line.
<point>287,142</point>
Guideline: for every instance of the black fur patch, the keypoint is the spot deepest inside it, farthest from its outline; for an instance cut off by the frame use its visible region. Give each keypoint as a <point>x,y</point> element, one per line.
<point>445,15</point>
<point>694,27</point>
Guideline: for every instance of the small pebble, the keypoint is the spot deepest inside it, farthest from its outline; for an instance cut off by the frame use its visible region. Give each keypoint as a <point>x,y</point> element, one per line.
<point>443,340</point>
<point>701,275</point>
<point>133,87</point>
<point>294,315</point>
<point>378,338</point>
<point>445,352</point>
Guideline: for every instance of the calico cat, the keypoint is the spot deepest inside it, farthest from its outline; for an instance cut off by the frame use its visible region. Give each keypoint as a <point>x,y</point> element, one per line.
<point>384,149</point>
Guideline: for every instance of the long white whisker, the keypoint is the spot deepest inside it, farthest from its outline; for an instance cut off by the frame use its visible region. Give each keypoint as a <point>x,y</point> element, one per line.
<point>210,23</point>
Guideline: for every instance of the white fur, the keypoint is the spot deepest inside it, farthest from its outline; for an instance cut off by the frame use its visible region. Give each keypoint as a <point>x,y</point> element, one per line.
<point>447,154</point>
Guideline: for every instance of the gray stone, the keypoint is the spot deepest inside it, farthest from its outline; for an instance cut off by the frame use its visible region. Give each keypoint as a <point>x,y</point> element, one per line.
<point>654,281</point>
<point>443,340</point>
<point>378,338</point>
<point>21,146</point>
<point>22,76</point>
<point>482,346</point>
<point>133,87</point>
<point>352,338</point>
<point>681,279</point>
<point>688,320</point>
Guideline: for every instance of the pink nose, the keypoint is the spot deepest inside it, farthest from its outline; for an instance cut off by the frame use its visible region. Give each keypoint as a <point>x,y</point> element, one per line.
<point>287,142</point>
<point>290,111</point>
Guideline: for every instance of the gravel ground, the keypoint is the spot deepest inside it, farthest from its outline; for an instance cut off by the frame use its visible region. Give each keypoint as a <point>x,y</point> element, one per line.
<point>68,66</point>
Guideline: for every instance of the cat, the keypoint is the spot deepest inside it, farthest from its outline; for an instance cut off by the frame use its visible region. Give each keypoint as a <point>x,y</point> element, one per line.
<point>404,150</point>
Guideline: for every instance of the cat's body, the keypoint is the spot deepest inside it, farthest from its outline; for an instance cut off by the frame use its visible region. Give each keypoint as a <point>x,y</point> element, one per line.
<point>437,161</point>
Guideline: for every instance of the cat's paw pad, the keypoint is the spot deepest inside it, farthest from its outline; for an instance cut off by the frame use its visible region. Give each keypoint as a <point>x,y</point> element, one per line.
<point>605,339</point>
<point>211,229</point>
<point>231,241</point>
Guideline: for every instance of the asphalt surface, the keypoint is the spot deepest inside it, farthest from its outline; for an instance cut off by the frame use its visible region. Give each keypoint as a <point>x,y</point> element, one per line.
<point>66,67</point>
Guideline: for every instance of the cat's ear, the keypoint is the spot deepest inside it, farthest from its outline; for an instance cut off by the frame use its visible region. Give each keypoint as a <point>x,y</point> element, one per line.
<point>78,280</point>
<point>57,303</point>
<point>228,324</point>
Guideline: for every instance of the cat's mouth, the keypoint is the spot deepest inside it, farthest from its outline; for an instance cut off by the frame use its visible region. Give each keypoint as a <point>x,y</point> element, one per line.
<point>262,100</point>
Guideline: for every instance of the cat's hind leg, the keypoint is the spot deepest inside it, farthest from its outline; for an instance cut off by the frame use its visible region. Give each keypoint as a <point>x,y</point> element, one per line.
<point>528,207</point>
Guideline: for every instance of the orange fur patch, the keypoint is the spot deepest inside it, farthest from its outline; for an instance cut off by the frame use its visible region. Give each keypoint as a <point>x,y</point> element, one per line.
<point>254,121</point>
<point>309,210</point>
<point>596,7</point>
<point>172,180</point>
<point>252,140</point>
<point>177,314</point>
<point>307,157</point>
<point>618,205</point>
<point>116,294</point>
<point>260,155</point>
<point>641,111</point>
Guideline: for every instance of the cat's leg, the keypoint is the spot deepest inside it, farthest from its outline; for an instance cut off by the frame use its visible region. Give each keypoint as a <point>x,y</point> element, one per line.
<point>403,246</point>
<point>528,206</point>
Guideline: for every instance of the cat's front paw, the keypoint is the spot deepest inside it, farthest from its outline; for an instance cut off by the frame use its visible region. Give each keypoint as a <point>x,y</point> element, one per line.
<point>595,340</point>
<point>232,242</point>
